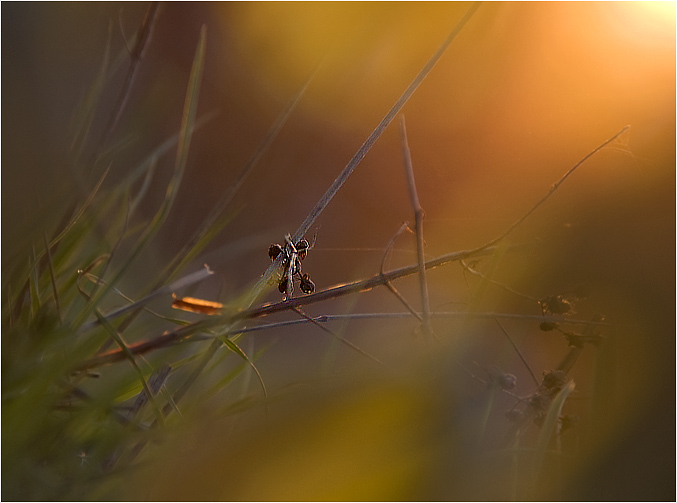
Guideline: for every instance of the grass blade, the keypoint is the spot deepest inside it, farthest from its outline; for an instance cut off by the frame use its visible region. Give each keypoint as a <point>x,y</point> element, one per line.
<point>142,38</point>
<point>50,267</point>
<point>418,215</point>
<point>185,135</point>
<point>211,225</point>
<point>548,428</point>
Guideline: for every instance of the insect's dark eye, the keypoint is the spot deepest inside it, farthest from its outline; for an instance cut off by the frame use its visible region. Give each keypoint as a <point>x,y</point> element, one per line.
<point>302,248</point>
<point>307,286</point>
<point>274,251</point>
<point>282,286</point>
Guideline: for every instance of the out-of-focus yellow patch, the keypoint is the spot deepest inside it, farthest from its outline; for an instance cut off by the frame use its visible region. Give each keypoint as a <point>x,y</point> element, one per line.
<point>194,305</point>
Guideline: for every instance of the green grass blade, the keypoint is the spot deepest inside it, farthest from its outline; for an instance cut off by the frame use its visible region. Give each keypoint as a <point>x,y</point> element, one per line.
<point>50,267</point>
<point>89,105</point>
<point>185,135</point>
<point>215,221</point>
<point>236,349</point>
<point>190,106</point>
<point>81,211</point>
<point>132,360</point>
<point>34,287</point>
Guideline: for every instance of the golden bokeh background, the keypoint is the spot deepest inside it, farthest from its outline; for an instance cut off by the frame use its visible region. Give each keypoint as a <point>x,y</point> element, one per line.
<point>523,93</point>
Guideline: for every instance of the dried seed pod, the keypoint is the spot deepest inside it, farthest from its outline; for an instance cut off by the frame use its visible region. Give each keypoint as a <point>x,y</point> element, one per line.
<point>547,326</point>
<point>553,379</point>
<point>507,382</point>
<point>499,378</point>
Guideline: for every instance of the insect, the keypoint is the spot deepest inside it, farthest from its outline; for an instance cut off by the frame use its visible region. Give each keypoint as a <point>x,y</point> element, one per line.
<point>292,255</point>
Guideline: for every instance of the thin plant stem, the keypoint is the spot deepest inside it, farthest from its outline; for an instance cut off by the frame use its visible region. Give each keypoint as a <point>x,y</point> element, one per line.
<point>388,284</point>
<point>185,136</point>
<point>418,214</point>
<point>471,270</point>
<point>129,355</point>
<point>50,266</point>
<point>332,333</point>
<point>167,290</point>
<point>187,333</point>
<point>554,187</point>
<point>143,36</point>
<point>519,353</point>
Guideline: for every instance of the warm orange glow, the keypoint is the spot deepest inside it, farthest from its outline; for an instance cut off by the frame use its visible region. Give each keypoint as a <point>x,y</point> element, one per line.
<point>194,305</point>
<point>655,12</point>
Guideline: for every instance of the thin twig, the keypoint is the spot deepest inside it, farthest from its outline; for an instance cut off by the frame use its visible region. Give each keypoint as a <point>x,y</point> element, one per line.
<point>334,334</point>
<point>474,271</point>
<point>367,284</point>
<point>519,353</point>
<point>266,309</point>
<point>554,187</point>
<point>574,351</point>
<point>388,284</point>
<point>361,285</point>
<point>188,333</point>
<point>418,214</point>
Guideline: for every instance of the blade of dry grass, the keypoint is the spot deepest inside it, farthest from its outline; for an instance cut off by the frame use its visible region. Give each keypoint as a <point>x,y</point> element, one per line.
<point>418,215</point>
<point>167,290</point>
<point>187,332</point>
<point>388,284</point>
